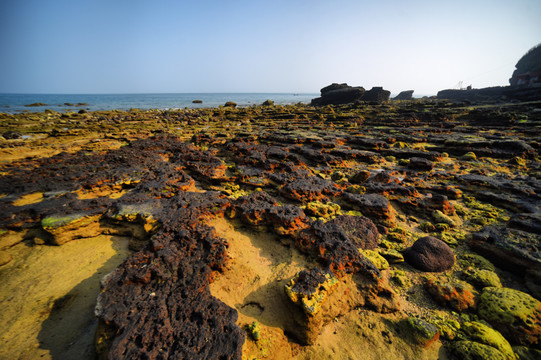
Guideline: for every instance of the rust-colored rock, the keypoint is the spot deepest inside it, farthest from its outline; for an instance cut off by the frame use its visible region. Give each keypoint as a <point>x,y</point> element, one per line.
<point>458,295</point>
<point>310,189</point>
<point>374,206</point>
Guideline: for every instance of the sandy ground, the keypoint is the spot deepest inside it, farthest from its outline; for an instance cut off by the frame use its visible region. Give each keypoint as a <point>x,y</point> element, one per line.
<point>254,285</point>
<point>48,294</point>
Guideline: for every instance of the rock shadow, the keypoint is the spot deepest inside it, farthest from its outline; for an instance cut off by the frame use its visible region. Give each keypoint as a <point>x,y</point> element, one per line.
<point>68,332</point>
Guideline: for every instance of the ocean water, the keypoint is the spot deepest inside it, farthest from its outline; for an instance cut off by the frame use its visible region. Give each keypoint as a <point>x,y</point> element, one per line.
<point>15,103</point>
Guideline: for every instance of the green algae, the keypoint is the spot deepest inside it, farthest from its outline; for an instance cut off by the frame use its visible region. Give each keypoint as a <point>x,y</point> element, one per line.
<point>469,350</point>
<point>483,334</point>
<point>311,303</point>
<point>401,279</point>
<point>475,261</point>
<point>482,278</point>
<point>420,332</point>
<point>321,210</point>
<point>379,261</point>
<point>509,307</point>
<point>54,222</point>
<point>254,329</point>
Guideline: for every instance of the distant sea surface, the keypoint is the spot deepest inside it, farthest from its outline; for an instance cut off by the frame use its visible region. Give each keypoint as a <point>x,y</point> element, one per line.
<point>15,103</point>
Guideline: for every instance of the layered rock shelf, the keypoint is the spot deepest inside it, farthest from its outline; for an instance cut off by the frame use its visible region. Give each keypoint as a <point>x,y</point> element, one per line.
<point>400,230</point>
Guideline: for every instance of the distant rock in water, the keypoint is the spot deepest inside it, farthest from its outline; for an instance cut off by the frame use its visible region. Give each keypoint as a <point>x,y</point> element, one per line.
<point>36,104</point>
<point>337,94</point>
<point>197,101</point>
<point>404,95</point>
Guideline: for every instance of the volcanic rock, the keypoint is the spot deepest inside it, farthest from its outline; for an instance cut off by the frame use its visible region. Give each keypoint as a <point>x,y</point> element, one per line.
<point>376,94</point>
<point>420,164</point>
<point>374,206</point>
<point>335,243</point>
<point>458,295</point>
<point>336,94</point>
<point>430,254</point>
<point>404,95</point>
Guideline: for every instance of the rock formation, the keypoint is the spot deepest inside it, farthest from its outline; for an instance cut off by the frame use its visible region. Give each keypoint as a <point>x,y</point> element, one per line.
<point>337,94</point>
<point>404,95</point>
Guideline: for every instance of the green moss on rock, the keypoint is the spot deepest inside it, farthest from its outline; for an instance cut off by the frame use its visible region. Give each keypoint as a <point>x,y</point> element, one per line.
<point>379,261</point>
<point>515,314</point>
<point>482,278</point>
<point>421,332</point>
<point>475,261</point>
<point>481,333</point>
<point>254,330</point>
<point>469,350</point>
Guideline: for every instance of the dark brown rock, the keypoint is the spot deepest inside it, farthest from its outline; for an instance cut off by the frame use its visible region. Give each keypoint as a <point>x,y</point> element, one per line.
<point>374,206</point>
<point>421,164</point>
<point>430,254</point>
<point>336,94</point>
<point>310,189</point>
<point>336,243</point>
<point>404,95</point>
<point>376,94</point>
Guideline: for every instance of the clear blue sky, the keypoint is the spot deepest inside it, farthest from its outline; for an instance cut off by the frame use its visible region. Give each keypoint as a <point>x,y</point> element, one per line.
<point>157,46</point>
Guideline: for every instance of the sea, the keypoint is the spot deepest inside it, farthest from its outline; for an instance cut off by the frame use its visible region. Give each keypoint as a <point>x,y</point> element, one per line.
<point>15,103</point>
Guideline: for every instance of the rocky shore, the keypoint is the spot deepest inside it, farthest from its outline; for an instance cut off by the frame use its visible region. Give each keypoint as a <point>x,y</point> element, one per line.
<point>374,230</point>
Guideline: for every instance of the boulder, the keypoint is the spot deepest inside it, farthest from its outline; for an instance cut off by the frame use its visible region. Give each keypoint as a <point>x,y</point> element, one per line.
<point>471,350</point>
<point>336,94</point>
<point>420,164</point>
<point>420,332</point>
<point>430,254</point>
<point>376,94</point>
<point>483,334</point>
<point>515,314</point>
<point>404,95</point>
<point>458,295</point>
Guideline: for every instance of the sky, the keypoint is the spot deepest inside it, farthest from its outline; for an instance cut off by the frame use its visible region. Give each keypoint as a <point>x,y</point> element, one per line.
<point>300,46</point>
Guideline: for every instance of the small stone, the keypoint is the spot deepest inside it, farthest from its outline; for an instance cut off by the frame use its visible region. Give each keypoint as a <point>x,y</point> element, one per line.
<point>360,177</point>
<point>255,330</point>
<point>421,164</point>
<point>469,156</point>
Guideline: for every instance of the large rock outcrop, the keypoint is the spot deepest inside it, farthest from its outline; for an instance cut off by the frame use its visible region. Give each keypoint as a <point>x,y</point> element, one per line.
<point>404,95</point>
<point>337,94</point>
